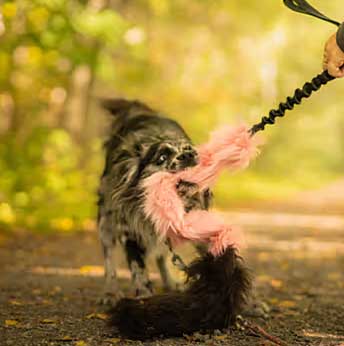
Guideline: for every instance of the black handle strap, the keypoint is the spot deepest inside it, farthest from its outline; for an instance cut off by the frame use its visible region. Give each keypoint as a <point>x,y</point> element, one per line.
<point>304,7</point>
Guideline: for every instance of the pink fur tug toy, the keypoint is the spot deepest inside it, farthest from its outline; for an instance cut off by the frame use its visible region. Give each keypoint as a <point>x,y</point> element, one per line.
<point>229,147</point>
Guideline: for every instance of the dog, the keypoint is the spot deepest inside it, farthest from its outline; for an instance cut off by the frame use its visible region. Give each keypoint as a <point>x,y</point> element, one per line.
<point>141,142</point>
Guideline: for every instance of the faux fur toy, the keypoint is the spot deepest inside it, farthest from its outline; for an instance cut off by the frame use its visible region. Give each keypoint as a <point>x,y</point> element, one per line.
<point>229,148</point>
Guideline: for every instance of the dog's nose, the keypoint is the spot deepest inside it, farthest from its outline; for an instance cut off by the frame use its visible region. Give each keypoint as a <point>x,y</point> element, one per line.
<point>189,157</point>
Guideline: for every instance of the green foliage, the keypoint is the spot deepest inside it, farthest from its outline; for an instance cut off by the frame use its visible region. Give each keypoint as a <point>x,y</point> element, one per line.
<point>205,63</point>
<point>43,184</point>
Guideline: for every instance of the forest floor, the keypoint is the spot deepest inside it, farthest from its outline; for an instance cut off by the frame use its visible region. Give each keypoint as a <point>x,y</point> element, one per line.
<point>50,283</point>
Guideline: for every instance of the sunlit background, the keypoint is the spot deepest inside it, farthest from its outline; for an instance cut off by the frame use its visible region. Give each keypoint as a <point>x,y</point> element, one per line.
<point>204,63</point>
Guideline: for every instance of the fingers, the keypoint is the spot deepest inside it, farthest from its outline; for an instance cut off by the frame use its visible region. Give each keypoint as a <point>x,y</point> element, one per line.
<point>334,70</point>
<point>333,59</point>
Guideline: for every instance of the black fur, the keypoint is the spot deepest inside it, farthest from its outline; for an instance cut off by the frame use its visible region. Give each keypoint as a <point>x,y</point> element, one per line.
<point>216,293</point>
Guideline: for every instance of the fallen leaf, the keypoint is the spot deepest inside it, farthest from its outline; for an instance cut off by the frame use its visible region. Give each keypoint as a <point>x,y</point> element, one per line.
<point>80,343</point>
<point>66,338</point>
<point>100,316</point>
<point>273,301</point>
<point>276,283</point>
<point>263,278</point>
<point>113,340</point>
<point>287,304</point>
<point>15,302</point>
<point>220,337</point>
<point>48,321</point>
<point>91,270</point>
<point>11,323</point>
<point>46,302</point>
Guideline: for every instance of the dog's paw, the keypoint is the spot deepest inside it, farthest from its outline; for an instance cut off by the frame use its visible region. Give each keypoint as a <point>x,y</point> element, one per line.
<point>143,291</point>
<point>110,298</point>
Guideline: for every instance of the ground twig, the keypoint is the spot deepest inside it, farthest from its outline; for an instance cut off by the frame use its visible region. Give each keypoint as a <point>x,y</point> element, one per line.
<point>258,330</point>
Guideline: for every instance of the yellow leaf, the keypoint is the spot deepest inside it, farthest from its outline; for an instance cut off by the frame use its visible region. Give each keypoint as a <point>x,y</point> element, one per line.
<point>220,337</point>
<point>273,301</point>
<point>100,316</point>
<point>46,302</point>
<point>113,340</point>
<point>15,302</point>
<point>287,304</point>
<point>10,323</point>
<point>80,343</point>
<point>48,321</point>
<point>276,283</point>
<point>263,278</point>
<point>91,270</point>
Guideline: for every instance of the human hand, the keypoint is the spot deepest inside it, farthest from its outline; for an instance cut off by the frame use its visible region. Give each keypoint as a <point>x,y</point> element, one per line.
<point>333,58</point>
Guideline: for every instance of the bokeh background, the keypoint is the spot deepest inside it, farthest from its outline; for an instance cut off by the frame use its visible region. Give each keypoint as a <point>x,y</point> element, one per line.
<point>202,62</point>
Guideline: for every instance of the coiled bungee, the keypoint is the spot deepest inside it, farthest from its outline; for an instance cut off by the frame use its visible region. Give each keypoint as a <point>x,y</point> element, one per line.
<point>307,90</point>
<point>299,94</point>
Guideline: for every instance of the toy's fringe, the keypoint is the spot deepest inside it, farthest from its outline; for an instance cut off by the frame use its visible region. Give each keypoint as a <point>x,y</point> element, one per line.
<point>216,293</point>
<point>229,148</point>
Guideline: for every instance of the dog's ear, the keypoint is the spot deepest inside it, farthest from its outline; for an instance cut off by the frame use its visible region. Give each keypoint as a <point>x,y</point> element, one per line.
<point>123,107</point>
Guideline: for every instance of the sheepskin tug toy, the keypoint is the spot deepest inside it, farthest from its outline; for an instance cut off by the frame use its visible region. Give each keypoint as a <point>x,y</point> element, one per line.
<point>229,148</point>
<point>218,283</point>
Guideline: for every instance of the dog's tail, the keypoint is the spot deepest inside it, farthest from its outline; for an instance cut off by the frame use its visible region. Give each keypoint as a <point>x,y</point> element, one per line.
<point>216,293</point>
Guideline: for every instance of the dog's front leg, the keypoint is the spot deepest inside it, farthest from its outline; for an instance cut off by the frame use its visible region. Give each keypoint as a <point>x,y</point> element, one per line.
<point>136,254</point>
<point>111,293</point>
<point>167,281</point>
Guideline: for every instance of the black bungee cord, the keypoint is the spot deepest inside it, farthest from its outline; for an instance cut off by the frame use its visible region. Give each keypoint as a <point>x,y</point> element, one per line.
<point>306,91</point>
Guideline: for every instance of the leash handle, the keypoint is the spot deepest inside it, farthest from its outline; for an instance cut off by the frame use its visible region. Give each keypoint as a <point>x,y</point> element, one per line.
<point>302,6</point>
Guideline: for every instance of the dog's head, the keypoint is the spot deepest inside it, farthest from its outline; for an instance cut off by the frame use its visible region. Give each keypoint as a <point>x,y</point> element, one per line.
<point>149,141</point>
<point>170,155</point>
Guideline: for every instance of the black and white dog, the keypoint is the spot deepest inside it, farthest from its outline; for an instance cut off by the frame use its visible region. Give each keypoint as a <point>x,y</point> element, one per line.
<point>141,143</point>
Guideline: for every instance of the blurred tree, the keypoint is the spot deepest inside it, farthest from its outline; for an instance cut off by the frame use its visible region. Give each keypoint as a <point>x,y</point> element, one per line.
<point>204,62</point>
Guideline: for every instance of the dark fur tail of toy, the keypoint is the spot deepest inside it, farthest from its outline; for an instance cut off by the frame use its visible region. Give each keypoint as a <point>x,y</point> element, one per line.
<point>216,293</point>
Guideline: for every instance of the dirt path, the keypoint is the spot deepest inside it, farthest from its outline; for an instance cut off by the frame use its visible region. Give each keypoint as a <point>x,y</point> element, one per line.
<point>49,286</point>
<point>328,199</point>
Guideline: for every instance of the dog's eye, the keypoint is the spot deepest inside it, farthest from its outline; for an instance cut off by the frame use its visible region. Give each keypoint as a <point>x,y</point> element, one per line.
<point>162,158</point>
